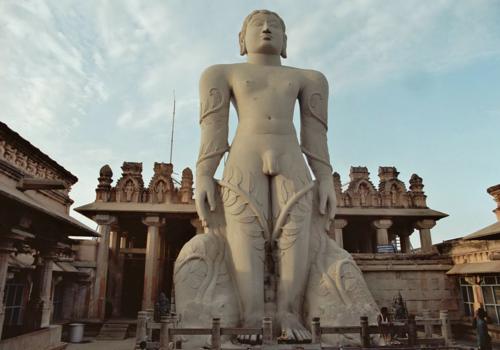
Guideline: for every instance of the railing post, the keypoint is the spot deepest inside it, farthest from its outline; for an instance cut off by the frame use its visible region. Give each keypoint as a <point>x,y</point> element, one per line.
<point>151,314</point>
<point>141,332</point>
<point>215,333</point>
<point>267,331</point>
<point>316,330</point>
<point>412,330</point>
<point>445,326</point>
<point>164,332</point>
<point>427,323</point>
<point>363,332</point>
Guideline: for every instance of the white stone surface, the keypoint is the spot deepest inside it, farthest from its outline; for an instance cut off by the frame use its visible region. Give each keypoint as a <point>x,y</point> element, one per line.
<point>266,252</point>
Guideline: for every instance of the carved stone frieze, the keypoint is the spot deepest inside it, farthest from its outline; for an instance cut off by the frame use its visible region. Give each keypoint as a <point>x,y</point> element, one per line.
<point>130,186</point>
<point>31,162</point>
<point>391,192</point>
<point>161,187</point>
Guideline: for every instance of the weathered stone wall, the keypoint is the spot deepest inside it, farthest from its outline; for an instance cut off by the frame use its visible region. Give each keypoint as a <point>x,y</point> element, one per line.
<point>421,280</point>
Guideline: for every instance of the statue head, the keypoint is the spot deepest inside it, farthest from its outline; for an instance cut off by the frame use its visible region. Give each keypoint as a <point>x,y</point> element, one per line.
<point>263,31</point>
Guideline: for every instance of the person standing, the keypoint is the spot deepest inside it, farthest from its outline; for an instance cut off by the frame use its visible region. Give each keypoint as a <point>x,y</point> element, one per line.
<point>481,326</point>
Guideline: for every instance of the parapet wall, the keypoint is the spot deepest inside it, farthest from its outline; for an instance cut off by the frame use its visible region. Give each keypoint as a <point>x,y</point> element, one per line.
<point>420,278</point>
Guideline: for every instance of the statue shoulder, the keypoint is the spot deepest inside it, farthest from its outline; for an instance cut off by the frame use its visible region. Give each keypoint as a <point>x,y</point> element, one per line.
<point>216,72</point>
<point>314,78</point>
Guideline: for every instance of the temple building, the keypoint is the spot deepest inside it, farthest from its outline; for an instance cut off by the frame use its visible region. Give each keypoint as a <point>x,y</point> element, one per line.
<point>476,268</point>
<point>144,227</point>
<point>39,285</point>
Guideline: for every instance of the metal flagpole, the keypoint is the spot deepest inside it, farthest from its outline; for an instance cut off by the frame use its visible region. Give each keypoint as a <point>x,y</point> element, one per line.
<point>172,135</point>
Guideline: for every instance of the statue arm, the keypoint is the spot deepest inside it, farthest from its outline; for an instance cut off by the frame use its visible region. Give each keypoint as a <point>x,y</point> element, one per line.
<point>214,115</point>
<point>313,99</point>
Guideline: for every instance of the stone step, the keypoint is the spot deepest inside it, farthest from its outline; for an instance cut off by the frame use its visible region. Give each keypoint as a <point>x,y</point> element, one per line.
<point>113,331</point>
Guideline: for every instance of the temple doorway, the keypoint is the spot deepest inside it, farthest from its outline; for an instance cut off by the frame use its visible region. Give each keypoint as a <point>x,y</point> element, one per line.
<point>133,284</point>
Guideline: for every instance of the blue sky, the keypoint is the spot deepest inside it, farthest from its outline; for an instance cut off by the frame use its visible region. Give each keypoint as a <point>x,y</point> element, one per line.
<point>413,84</point>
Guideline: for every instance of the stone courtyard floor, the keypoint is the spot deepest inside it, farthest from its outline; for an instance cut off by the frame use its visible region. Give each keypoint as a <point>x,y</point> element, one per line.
<point>92,344</point>
<point>128,344</point>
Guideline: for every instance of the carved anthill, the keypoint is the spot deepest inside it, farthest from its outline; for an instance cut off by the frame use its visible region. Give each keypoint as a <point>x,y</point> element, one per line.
<point>130,186</point>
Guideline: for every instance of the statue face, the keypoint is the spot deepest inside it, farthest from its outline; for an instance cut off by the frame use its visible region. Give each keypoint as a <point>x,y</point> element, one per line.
<point>264,34</point>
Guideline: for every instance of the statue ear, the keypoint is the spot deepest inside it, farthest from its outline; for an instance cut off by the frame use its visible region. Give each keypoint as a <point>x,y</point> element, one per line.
<point>243,48</point>
<point>283,49</point>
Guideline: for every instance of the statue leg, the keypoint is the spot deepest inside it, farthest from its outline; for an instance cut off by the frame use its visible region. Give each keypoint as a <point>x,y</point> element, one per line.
<point>245,198</point>
<point>292,253</point>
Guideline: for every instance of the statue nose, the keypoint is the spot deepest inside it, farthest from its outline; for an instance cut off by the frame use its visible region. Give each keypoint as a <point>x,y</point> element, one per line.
<point>265,28</point>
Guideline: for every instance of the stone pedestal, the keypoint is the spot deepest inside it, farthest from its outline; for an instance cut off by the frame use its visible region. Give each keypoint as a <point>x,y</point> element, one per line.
<point>382,226</point>
<point>424,228</point>
<point>98,302</point>
<point>152,265</point>
<point>338,235</point>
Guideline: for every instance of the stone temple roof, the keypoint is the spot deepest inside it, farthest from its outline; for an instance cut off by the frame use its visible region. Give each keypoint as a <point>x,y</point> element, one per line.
<point>25,148</point>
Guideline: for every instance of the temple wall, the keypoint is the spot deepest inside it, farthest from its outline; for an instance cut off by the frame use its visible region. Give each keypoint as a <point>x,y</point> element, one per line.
<point>422,282</point>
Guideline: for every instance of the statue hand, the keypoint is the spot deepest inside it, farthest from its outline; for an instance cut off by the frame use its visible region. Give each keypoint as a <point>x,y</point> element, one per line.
<point>327,197</point>
<point>205,197</point>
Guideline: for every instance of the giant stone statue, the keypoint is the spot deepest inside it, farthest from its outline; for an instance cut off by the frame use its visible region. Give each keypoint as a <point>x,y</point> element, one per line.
<point>265,251</point>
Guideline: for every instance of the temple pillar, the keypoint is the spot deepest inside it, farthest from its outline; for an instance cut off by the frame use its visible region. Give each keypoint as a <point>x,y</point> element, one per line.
<point>46,268</point>
<point>405,243</point>
<point>6,247</point>
<point>424,228</point>
<point>337,234</point>
<point>153,259</point>
<point>116,273</point>
<point>382,225</point>
<point>197,224</point>
<point>404,240</point>
<point>98,303</point>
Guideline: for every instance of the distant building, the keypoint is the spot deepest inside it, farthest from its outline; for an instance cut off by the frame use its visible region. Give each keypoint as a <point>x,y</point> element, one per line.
<point>476,259</point>
<point>38,282</point>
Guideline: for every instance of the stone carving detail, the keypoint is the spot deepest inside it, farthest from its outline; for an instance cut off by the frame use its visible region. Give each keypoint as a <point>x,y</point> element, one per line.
<point>130,186</point>
<point>32,166</point>
<point>104,187</point>
<point>417,195</point>
<point>161,187</point>
<point>392,190</point>
<point>186,190</point>
<point>361,191</point>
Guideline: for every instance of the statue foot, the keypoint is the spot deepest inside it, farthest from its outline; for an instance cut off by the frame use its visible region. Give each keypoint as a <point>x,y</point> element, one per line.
<point>292,331</point>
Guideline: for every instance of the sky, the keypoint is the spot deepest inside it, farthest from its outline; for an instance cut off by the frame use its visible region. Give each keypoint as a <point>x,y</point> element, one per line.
<point>413,84</point>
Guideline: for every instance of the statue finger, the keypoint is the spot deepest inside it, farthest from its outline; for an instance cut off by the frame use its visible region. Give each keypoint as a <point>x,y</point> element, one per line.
<point>211,200</point>
<point>322,203</point>
<point>332,208</point>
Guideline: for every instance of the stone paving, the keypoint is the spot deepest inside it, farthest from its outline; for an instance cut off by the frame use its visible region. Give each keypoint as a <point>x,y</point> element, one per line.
<point>92,344</point>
